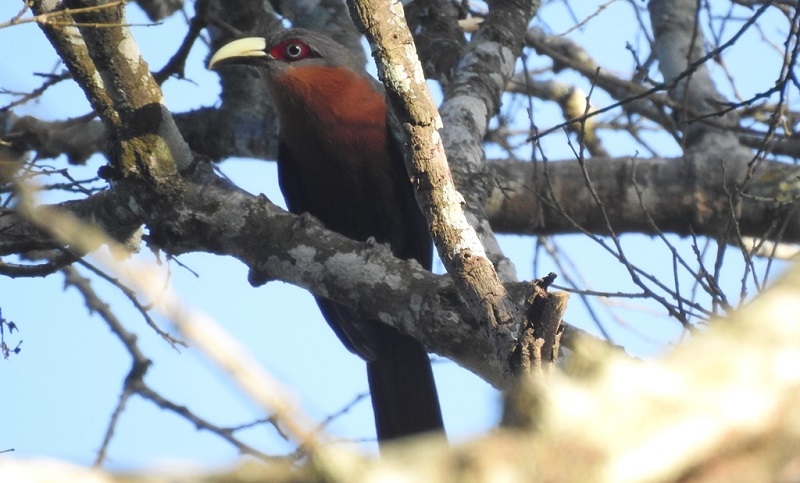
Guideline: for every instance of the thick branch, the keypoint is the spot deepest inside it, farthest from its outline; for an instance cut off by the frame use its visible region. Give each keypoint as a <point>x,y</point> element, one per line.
<point>456,241</point>
<point>159,9</point>
<point>472,98</point>
<point>104,210</point>
<point>521,201</point>
<point>683,196</point>
<point>680,47</point>
<point>72,50</point>
<point>147,139</point>
<point>77,138</point>
<point>438,37</point>
<point>207,215</point>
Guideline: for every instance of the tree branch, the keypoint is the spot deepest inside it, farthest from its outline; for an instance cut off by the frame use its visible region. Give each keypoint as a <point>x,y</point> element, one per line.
<point>472,98</point>
<point>105,210</point>
<point>456,241</point>
<point>146,143</point>
<point>551,198</point>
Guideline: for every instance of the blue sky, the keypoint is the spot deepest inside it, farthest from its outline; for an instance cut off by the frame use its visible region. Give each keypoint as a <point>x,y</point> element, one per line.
<point>59,392</point>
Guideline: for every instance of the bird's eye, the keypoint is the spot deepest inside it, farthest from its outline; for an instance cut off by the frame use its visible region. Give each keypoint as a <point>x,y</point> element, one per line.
<point>290,50</point>
<point>293,50</point>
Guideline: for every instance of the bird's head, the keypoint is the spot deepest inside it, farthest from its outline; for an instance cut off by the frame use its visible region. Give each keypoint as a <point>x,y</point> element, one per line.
<point>284,50</point>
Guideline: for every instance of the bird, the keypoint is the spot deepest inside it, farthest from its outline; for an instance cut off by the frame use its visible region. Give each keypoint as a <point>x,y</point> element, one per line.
<point>340,159</point>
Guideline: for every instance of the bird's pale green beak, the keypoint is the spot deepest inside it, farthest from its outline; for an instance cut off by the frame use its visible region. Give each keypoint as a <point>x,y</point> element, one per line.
<point>239,52</point>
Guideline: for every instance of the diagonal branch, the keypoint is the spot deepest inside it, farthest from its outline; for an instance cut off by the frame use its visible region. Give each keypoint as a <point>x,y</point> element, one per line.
<point>456,240</point>
<point>147,142</point>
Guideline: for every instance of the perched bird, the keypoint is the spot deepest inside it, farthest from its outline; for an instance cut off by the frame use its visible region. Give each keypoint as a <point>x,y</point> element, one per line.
<point>339,160</point>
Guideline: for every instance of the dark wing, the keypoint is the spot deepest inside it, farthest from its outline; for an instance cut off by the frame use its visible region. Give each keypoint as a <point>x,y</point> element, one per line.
<point>289,180</point>
<point>356,334</point>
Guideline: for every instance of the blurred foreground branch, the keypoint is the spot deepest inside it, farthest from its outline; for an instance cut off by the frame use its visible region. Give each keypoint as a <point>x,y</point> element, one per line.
<point>723,407</point>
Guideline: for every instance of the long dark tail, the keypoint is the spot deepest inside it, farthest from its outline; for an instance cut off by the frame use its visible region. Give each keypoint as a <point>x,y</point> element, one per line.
<point>404,397</point>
